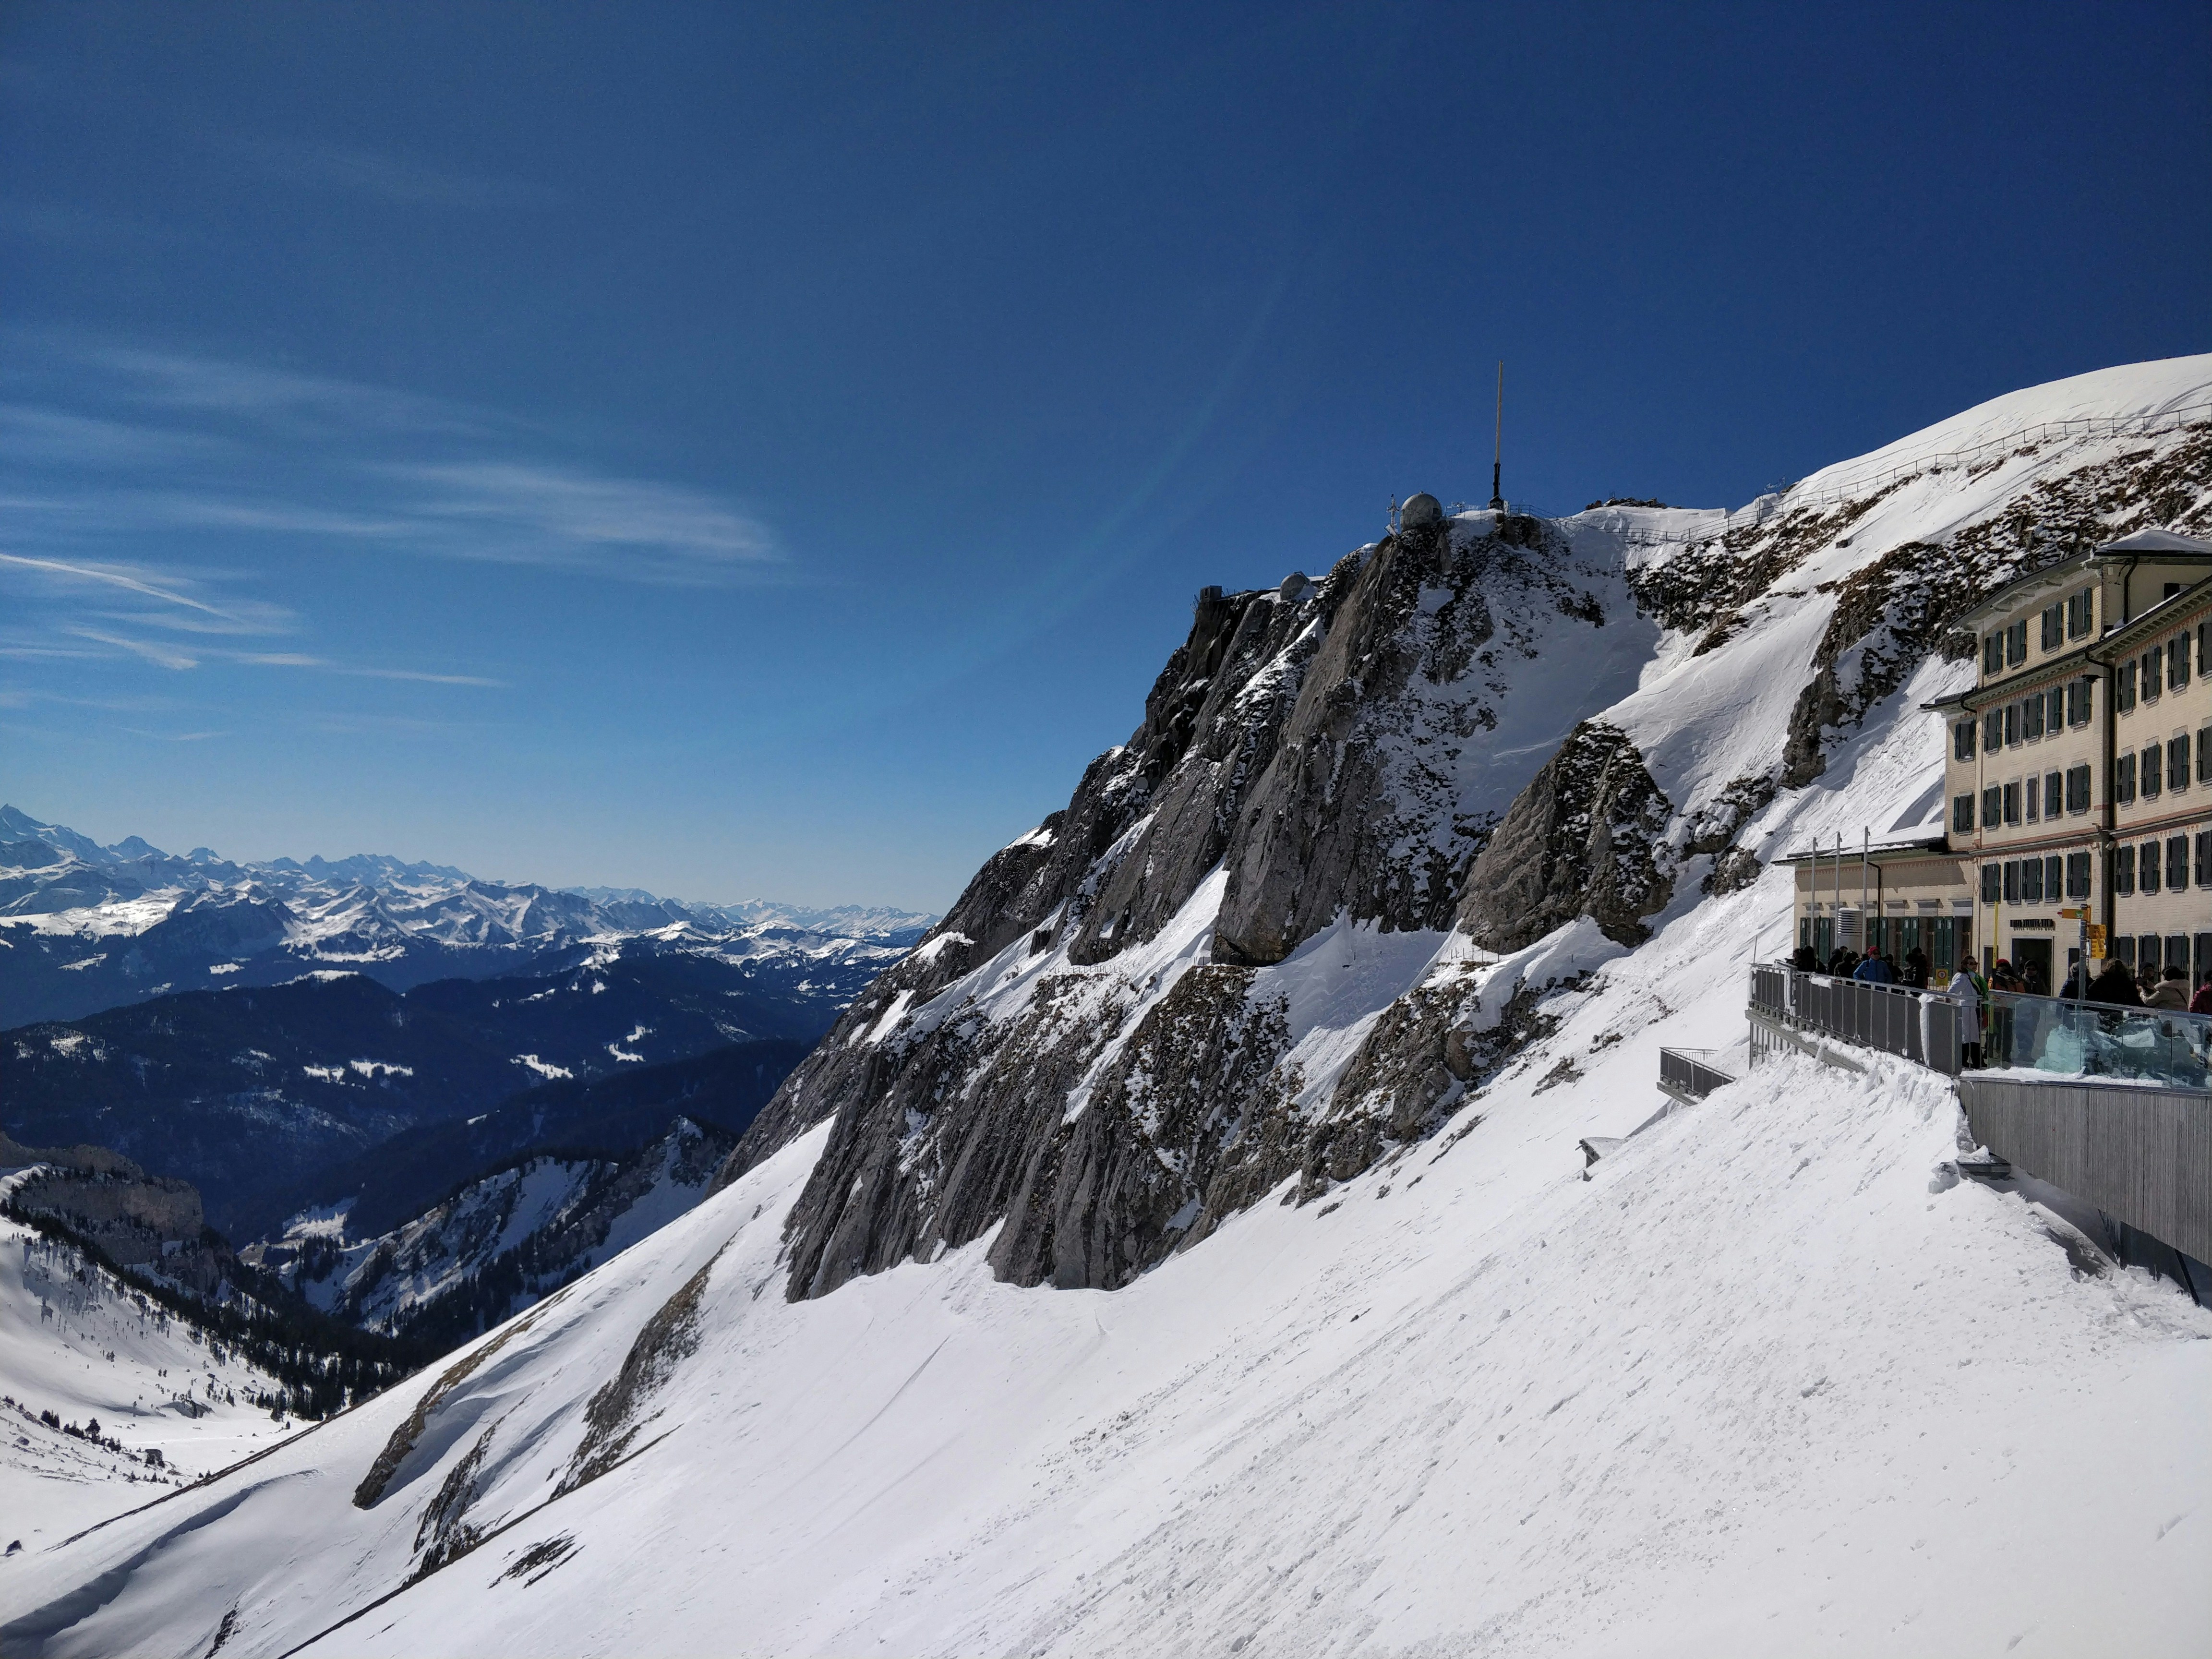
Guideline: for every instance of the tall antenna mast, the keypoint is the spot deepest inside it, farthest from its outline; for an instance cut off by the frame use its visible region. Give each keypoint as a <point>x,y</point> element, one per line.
<point>1497,455</point>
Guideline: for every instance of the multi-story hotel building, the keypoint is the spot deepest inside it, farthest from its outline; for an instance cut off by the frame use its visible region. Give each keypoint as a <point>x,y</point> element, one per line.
<point>2078,777</point>
<point>2079,766</point>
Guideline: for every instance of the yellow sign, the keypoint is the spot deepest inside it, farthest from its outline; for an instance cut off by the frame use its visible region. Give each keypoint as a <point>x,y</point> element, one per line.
<point>2071,915</point>
<point>2096,939</point>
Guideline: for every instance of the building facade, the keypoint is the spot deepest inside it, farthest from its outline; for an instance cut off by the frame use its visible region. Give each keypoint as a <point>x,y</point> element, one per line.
<point>2078,779</point>
<point>2078,767</point>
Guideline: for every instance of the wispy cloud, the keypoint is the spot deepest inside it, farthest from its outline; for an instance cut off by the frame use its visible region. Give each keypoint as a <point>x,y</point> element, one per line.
<point>535,513</point>
<point>106,575</point>
<point>37,434</point>
<point>402,180</point>
<point>209,445</point>
<point>179,380</point>
<point>148,498</point>
<point>152,651</point>
<point>298,659</point>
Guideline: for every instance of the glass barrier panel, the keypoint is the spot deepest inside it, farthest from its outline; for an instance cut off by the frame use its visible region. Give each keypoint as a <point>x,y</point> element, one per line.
<point>2065,1038</point>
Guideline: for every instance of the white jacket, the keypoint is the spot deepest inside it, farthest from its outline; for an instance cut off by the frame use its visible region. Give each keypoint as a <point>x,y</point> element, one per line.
<point>1961,991</point>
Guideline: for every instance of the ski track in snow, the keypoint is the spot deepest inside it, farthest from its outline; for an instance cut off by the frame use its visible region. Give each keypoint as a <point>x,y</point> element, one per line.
<point>1772,1382</point>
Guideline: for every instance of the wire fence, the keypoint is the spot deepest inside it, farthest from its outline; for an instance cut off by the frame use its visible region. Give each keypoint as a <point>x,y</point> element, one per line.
<point>1837,493</point>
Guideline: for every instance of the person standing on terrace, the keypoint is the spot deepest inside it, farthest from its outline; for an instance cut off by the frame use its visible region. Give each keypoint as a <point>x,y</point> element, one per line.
<point>1969,990</point>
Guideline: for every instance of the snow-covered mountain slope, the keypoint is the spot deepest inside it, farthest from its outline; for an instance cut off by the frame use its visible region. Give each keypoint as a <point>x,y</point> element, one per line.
<point>84,927</point>
<point>1774,1382</point>
<point>1287,1031</point>
<point>499,1244</point>
<point>1467,738</point>
<point>122,1378</point>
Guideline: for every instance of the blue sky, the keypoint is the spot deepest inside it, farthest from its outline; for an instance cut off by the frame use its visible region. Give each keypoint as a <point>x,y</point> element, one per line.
<point>746,452</point>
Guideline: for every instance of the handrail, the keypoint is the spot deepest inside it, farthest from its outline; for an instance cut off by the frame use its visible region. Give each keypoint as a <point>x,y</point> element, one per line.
<point>1679,1069</point>
<point>2058,1036</point>
<point>1921,1026</point>
<point>1835,494</point>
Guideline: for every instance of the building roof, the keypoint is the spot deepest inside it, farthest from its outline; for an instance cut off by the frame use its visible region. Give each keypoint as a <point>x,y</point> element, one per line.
<point>2156,541</point>
<point>2135,545</point>
<point>1893,852</point>
<point>2115,642</point>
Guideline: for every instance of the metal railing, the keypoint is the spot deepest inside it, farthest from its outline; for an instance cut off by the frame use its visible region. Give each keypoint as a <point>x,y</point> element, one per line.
<point>1921,1026</point>
<point>2057,1036</point>
<point>1837,491</point>
<point>2065,1039</point>
<point>1683,1072</point>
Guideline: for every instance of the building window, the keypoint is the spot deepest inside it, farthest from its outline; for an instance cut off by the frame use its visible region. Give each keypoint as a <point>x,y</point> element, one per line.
<point>1992,882</point>
<point>2176,662</point>
<point>2077,788</point>
<point>2053,868</point>
<point>2080,612</point>
<point>2030,881</point>
<point>2054,794</point>
<point>2146,878</point>
<point>2011,724</point>
<point>1962,740</point>
<point>1962,814</point>
<point>2123,779</point>
<point>1993,807</point>
<point>2153,773</point>
<point>2177,862</point>
<point>2152,660</point>
<point>2054,628</point>
<point>2034,799</point>
<point>2124,870</point>
<point>2204,857</point>
<point>1993,731</point>
<point>2124,686</point>
<point>2176,762</point>
<point>2077,873</point>
<point>2054,708</point>
<point>2012,881</point>
<point>1993,654</point>
<point>2030,717</point>
<point>2016,643</point>
<point>2012,802</point>
<point>2079,700</point>
<point>2205,756</point>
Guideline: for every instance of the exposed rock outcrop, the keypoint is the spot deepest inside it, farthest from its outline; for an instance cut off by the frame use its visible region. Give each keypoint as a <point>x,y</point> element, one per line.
<point>1324,748</point>
<point>1585,838</point>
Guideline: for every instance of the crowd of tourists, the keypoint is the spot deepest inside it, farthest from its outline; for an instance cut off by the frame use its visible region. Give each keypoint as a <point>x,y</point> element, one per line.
<point>2114,981</point>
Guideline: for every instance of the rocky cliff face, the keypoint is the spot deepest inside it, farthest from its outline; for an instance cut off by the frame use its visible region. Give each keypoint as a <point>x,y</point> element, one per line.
<point>1370,832</point>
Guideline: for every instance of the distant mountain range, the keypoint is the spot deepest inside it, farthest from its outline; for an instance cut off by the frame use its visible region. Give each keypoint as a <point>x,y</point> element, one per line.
<point>85,927</point>
<point>272,1097</point>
